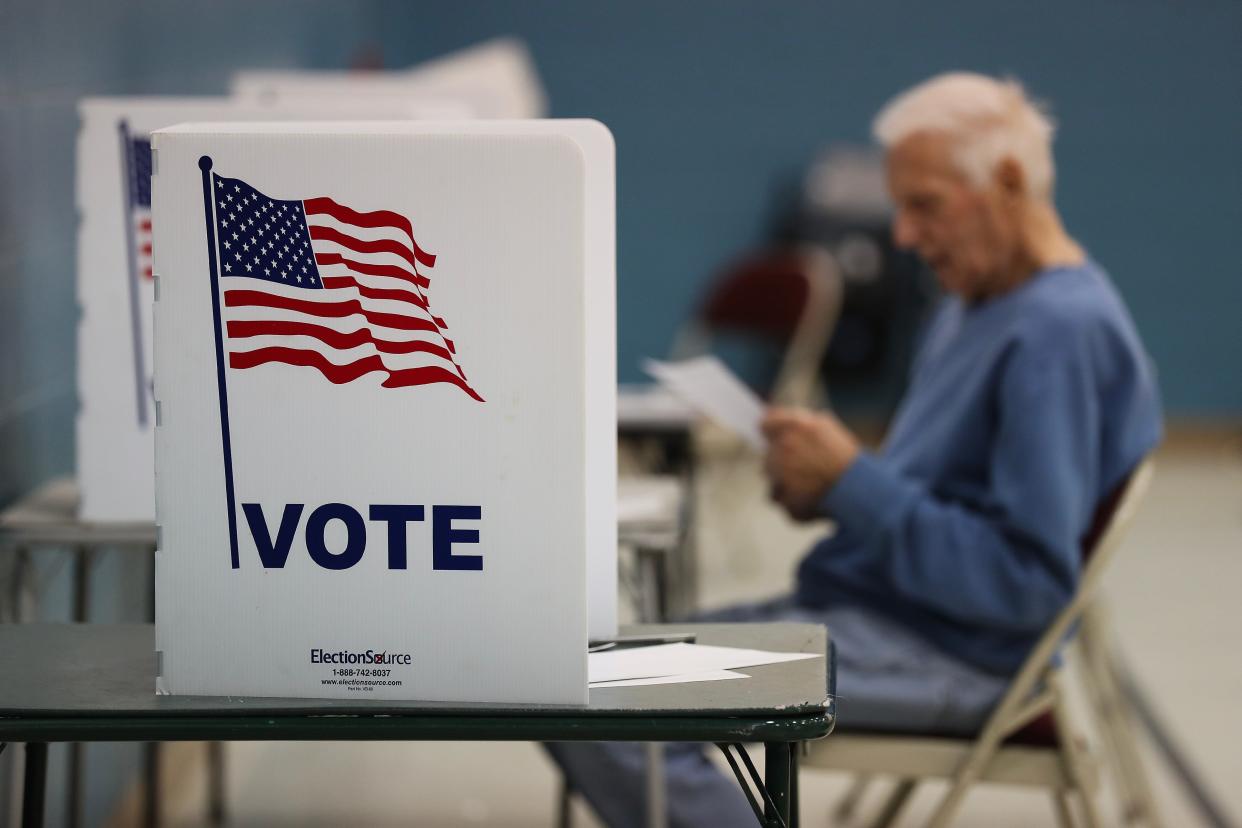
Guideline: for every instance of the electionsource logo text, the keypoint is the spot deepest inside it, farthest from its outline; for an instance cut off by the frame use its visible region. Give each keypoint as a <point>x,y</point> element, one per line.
<point>369,657</point>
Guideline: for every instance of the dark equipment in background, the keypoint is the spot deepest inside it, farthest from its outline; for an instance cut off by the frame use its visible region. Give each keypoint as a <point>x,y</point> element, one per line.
<point>770,315</point>
<point>841,204</point>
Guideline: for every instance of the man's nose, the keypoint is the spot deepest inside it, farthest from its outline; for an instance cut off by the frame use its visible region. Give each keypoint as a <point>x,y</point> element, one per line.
<point>904,235</point>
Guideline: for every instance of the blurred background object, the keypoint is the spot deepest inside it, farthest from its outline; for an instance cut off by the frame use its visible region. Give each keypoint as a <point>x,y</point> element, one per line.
<point>495,79</point>
<point>843,207</point>
<point>742,132</point>
<point>116,411</point>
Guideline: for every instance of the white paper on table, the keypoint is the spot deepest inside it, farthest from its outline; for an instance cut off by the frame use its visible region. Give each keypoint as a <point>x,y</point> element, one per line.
<point>651,404</point>
<point>707,385</point>
<point>648,499</point>
<point>677,659</point>
<point>710,675</point>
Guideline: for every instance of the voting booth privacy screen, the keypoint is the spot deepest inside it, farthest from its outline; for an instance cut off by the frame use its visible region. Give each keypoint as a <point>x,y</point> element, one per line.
<point>373,405</point>
<point>115,285</point>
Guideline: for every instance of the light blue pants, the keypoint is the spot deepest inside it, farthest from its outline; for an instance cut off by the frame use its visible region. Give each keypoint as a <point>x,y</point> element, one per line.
<point>887,679</point>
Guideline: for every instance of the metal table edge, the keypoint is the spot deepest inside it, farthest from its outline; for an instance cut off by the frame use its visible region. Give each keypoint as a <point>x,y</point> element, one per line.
<point>792,728</point>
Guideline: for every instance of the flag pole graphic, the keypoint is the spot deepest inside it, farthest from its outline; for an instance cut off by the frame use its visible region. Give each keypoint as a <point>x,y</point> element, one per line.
<point>131,253</point>
<point>204,164</point>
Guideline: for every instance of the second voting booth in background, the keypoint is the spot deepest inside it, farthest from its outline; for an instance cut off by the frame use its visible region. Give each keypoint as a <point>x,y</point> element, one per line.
<point>374,477</point>
<point>494,79</point>
<point>116,414</point>
<point>115,418</point>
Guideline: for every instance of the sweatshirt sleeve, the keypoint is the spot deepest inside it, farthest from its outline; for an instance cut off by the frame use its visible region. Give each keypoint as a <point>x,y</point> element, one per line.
<point>1012,562</point>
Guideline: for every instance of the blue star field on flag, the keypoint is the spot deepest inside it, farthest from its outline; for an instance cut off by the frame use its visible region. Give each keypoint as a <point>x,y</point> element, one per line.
<point>262,237</point>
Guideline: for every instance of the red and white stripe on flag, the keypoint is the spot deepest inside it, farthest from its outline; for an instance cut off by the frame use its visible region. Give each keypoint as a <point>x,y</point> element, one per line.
<point>142,241</point>
<point>370,311</point>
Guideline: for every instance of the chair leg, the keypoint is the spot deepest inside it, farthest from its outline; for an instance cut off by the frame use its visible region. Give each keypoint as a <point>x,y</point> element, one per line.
<point>1072,756</point>
<point>952,800</point>
<point>565,814</point>
<point>848,804</point>
<point>1061,807</point>
<point>981,755</point>
<point>216,796</point>
<point>895,802</point>
<point>1137,804</point>
<point>1090,814</point>
<point>1110,752</point>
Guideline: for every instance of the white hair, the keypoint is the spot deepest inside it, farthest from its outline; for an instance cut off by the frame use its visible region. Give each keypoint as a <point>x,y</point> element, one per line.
<point>987,119</point>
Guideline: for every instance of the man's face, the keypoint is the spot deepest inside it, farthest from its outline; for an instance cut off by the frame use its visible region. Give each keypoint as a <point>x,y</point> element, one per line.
<point>966,234</point>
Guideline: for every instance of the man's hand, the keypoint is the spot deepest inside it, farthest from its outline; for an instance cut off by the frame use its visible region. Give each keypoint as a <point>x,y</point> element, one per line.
<point>807,454</point>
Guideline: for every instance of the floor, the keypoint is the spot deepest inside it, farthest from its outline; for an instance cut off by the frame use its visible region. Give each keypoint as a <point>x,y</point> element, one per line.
<point>1173,593</point>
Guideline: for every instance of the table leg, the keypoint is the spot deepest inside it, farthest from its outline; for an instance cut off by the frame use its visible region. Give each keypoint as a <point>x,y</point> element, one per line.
<point>215,783</point>
<point>650,586</point>
<point>74,806</point>
<point>657,808</point>
<point>151,584</point>
<point>81,612</point>
<point>778,764</point>
<point>22,598</point>
<point>774,807</point>
<point>686,593</point>
<point>12,608</point>
<point>795,807</point>
<point>81,583</point>
<point>564,811</point>
<point>151,750</point>
<point>35,785</point>
<point>653,603</point>
<point>151,793</point>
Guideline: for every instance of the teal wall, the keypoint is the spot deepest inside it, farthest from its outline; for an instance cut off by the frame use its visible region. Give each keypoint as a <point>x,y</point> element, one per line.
<point>713,103</point>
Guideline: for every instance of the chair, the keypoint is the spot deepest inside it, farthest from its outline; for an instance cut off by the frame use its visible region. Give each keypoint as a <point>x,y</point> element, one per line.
<point>1028,739</point>
<point>789,297</point>
<point>1104,685</point>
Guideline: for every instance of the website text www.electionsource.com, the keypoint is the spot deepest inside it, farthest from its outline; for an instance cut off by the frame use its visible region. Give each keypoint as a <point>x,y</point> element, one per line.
<point>362,683</point>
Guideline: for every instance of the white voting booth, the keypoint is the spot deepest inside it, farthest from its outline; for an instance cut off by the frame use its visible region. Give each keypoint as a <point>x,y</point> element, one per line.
<point>496,79</point>
<point>115,421</point>
<point>385,396</point>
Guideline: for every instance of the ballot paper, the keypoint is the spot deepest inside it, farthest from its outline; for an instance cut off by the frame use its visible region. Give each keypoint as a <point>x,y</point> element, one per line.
<point>651,405</point>
<point>710,675</point>
<point>677,660</point>
<point>710,387</point>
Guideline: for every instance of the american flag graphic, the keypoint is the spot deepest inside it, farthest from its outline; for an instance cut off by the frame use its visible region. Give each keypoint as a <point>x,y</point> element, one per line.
<point>316,284</point>
<point>136,186</point>
<point>139,202</point>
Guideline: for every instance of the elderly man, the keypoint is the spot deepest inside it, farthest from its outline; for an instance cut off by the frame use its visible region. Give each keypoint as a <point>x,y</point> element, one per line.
<point>1030,399</point>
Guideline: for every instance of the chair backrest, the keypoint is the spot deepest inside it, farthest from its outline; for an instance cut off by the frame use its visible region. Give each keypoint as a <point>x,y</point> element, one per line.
<point>1111,521</point>
<point>1103,519</point>
<point>1112,518</point>
<point>790,297</point>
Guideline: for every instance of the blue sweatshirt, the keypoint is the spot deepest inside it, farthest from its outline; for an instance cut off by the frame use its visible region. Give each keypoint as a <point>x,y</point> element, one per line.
<point>1023,413</point>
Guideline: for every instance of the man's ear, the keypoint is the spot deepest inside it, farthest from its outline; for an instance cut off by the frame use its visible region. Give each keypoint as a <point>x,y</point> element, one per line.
<point>1010,178</point>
